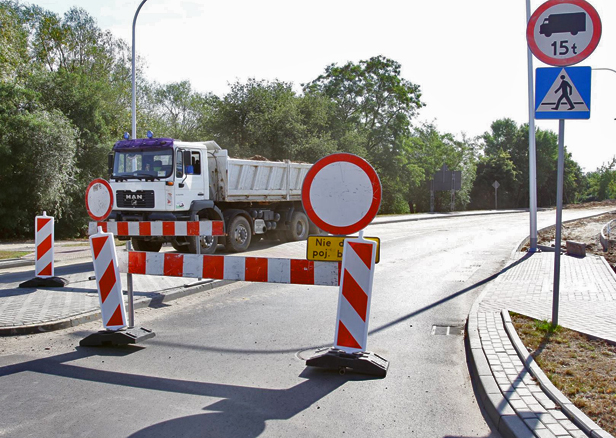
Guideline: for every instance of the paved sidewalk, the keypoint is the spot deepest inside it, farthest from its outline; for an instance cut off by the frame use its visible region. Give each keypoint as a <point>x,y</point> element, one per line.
<point>34,310</point>
<point>519,398</point>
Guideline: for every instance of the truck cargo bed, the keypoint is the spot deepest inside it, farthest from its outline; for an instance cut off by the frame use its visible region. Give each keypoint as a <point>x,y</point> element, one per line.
<point>254,180</point>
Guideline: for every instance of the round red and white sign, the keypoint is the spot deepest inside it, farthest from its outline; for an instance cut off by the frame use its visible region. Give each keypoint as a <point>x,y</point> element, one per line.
<point>341,193</point>
<point>99,199</point>
<point>563,32</point>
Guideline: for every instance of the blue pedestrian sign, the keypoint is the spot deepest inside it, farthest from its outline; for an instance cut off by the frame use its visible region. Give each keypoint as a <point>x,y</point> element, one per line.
<point>562,93</point>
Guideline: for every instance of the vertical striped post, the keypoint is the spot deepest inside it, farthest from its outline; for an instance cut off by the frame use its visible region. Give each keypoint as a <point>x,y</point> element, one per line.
<point>43,241</point>
<point>108,280</point>
<point>355,294</point>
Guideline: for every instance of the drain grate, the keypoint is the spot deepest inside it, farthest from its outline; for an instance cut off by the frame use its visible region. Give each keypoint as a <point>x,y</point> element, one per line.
<point>447,330</point>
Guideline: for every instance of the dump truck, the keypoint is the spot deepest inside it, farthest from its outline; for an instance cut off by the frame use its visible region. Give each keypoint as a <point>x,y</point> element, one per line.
<point>162,179</point>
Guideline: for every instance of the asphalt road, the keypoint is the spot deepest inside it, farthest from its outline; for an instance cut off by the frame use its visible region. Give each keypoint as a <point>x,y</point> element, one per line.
<point>230,362</point>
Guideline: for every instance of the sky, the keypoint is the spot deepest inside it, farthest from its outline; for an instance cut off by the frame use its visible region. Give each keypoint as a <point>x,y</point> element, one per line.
<point>468,57</point>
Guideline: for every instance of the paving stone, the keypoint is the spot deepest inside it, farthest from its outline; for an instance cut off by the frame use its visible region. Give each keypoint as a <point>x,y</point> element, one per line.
<point>557,429</point>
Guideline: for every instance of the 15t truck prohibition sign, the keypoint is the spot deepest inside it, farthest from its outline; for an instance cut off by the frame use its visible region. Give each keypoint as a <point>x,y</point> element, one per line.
<point>563,32</point>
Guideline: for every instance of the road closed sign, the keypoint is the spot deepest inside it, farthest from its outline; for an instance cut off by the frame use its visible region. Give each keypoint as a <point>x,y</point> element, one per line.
<point>99,199</point>
<point>341,193</point>
<point>563,32</point>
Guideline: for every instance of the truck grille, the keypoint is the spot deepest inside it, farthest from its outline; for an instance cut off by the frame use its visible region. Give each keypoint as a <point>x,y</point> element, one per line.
<point>137,199</point>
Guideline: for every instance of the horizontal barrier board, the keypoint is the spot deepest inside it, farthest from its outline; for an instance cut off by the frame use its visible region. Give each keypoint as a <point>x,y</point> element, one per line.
<point>160,228</point>
<point>218,267</point>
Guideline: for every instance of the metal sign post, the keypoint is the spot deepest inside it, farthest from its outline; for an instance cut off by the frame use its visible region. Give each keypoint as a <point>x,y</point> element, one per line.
<point>496,185</point>
<point>559,219</point>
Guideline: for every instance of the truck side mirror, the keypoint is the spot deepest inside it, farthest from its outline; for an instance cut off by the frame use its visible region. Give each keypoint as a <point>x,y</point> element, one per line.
<point>110,164</point>
<point>186,157</point>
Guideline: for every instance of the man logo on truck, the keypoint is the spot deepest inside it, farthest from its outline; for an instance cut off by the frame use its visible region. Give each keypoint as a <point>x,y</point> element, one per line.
<point>563,23</point>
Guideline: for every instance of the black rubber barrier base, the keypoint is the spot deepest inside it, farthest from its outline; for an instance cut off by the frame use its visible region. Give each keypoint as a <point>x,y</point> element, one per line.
<point>45,282</point>
<point>108,338</point>
<point>362,362</point>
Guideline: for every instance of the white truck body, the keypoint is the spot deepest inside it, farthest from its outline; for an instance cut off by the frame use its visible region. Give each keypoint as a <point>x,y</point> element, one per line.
<point>238,180</point>
<point>166,179</point>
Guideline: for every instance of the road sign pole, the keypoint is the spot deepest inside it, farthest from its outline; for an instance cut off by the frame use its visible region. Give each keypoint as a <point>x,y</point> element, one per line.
<point>495,198</point>
<point>559,219</point>
<point>432,196</point>
<point>532,150</point>
<point>130,292</point>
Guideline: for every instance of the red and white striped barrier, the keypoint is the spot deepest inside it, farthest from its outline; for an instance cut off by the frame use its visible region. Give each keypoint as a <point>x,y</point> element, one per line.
<point>108,280</point>
<point>160,228</point>
<point>259,269</point>
<point>355,294</point>
<point>43,240</point>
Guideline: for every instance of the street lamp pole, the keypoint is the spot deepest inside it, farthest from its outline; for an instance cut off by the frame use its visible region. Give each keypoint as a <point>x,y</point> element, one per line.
<point>134,101</point>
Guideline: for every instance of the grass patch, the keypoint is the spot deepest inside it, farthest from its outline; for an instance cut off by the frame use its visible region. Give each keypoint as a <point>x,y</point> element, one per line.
<point>13,254</point>
<point>583,369</point>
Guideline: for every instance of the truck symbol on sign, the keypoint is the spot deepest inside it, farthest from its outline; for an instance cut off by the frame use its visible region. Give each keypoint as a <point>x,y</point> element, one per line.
<point>562,23</point>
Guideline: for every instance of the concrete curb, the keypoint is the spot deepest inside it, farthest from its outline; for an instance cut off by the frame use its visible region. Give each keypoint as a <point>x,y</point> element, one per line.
<point>170,295</point>
<point>573,413</point>
<point>15,263</point>
<point>496,405</point>
<point>384,220</point>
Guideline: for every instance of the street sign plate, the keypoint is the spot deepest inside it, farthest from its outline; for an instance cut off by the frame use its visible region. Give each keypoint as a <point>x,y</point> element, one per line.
<point>329,248</point>
<point>563,32</point>
<point>562,93</point>
<point>341,193</point>
<point>99,199</point>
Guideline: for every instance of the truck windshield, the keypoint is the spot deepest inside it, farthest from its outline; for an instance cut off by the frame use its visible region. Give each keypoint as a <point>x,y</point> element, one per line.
<point>143,164</point>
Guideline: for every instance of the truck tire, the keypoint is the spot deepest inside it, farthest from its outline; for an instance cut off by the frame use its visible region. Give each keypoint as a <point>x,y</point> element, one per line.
<point>298,227</point>
<point>209,244</point>
<point>239,234</point>
<point>146,245</point>
<point>184,249</point>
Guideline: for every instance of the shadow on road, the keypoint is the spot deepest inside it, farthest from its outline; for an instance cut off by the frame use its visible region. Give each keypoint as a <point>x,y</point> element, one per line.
<point>450,297</point>
<point>242,412</point>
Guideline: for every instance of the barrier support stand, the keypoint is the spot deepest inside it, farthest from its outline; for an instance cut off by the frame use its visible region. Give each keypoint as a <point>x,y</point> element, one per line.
<point>348,352</point>
<point>361,362</point>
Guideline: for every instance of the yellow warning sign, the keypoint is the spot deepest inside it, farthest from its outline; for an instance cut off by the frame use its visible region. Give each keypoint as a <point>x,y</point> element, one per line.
<point>329,248</point>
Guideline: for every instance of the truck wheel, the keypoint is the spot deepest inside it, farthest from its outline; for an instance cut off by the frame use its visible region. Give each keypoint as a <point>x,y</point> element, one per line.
<point>298,228</point>
<point>208,244</point>
<point>239,234</point>
<point>146,245</point>
<point>184,249</point>
<point>313,229</point>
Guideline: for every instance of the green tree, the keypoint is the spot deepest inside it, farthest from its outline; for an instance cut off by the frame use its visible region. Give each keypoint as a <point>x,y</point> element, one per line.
<point>37,156</point>
<point>602,182</point>
<point>507,137</point>
<point>269,119</point>
<point>490,168</point>
<point>13,42</point>
<point>175,110</point>
<point>372,97</point>
<point>427,151</point>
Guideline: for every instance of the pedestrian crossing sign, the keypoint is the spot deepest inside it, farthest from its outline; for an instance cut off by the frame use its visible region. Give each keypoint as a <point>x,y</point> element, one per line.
<point>562,93</point>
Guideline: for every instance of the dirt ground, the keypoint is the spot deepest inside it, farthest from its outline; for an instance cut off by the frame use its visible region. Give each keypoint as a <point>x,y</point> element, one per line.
<point>586,231</point>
